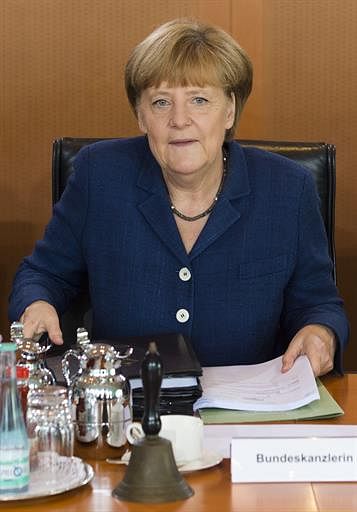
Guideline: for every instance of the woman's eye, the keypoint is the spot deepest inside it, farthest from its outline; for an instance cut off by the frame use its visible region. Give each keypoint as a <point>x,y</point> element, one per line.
<point>160,103</point>
<point>199,100</point>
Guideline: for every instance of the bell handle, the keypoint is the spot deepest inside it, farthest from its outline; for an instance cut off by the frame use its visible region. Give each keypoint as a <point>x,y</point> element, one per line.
<point>66,368</point>
<point>151,375</point>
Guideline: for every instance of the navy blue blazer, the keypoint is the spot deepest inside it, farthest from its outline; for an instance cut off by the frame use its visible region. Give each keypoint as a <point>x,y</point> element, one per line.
<point>259,271</point>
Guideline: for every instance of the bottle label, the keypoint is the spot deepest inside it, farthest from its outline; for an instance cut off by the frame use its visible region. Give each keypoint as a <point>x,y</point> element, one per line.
<point>14,471</point>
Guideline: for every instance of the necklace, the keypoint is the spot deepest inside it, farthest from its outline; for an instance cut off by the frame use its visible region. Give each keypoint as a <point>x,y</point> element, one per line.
<point>213,204</point>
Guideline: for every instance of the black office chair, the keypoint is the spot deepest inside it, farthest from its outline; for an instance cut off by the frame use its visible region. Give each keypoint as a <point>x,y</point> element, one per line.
<point>317,157</point>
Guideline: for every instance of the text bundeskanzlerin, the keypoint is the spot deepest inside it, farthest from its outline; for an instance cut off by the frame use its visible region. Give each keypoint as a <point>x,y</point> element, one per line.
<point>303,458</point>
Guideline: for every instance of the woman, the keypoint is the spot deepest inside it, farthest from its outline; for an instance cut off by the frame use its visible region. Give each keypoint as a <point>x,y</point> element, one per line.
<point>184,230</point>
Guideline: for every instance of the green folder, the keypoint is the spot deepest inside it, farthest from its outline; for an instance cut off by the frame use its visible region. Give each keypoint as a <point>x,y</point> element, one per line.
<point>326,407</point>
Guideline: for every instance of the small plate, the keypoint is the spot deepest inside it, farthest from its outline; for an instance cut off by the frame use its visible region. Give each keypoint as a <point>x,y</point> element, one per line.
<point>208,460</point>
<point>71,473</point>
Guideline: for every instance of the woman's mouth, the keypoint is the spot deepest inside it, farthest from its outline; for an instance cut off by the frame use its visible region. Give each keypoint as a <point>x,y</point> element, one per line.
<point>182,142</point>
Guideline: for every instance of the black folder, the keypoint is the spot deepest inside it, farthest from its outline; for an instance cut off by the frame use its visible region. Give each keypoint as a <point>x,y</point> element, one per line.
<point>177,354</point>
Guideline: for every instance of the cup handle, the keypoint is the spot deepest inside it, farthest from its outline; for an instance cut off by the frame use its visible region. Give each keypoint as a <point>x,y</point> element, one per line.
<point>134,432</point>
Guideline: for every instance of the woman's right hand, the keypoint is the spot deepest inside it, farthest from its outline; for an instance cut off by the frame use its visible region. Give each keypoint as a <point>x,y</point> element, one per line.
<point>40,317</point>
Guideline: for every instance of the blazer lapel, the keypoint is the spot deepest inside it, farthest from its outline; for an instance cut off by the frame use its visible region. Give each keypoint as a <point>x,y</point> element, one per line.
<point>222,217</point>
<point>228,209</point>
<point>156,208</point>
<point>156,211</point>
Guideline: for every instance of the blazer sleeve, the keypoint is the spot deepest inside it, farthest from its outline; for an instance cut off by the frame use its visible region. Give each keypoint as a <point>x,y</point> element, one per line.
<point>311,296</point>
<point>56,270</point>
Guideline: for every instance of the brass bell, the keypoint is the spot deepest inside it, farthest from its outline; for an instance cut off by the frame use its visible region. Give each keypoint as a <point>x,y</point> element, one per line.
<point>152,475</point>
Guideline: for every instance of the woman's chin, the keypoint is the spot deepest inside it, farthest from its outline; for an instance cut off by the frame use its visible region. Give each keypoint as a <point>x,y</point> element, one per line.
<point>184,170</point>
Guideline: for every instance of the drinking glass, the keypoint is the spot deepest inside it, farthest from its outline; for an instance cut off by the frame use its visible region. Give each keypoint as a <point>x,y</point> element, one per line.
<point>49,428</point>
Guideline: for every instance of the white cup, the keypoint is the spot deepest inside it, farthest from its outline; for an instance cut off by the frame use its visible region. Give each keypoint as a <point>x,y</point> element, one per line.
<point>184,432</point>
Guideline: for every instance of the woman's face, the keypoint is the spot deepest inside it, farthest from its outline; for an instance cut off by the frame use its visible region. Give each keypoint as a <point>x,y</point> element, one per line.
<point>186,126</point>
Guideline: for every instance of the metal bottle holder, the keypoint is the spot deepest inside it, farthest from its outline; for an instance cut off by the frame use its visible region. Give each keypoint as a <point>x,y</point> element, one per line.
<point>30,354</point>
<point>100,395</point>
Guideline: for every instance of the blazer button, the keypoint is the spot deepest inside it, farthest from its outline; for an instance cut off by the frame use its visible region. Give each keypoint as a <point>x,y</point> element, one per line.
<point>182,315</point>
<point>184,274</point>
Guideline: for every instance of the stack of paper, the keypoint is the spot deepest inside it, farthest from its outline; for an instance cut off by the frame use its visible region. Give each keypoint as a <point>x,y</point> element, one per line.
<point>259,387</point>
<point>242,394</point>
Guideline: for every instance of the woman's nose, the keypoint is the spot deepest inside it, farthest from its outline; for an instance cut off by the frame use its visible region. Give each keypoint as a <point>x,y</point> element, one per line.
<point>180,116</point>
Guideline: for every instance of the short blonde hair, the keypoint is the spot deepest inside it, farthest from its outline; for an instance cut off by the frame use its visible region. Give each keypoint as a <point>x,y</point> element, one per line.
<point>184,52</point>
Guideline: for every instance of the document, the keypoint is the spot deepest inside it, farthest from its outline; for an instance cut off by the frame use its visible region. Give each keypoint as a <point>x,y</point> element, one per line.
<point>260,387</point>
<point>324,408</point>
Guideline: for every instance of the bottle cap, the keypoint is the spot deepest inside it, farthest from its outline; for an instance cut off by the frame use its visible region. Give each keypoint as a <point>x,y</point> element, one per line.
<point>8,347</point>
<point>22,372</point>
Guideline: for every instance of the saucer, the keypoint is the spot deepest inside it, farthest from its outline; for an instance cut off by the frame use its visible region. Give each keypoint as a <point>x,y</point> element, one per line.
<point>208,460</point>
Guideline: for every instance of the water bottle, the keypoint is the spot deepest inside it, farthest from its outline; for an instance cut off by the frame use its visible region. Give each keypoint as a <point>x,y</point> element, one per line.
<point>14,445</point>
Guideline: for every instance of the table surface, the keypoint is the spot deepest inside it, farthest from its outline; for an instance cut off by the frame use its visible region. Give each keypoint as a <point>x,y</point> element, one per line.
<point>212,487</point>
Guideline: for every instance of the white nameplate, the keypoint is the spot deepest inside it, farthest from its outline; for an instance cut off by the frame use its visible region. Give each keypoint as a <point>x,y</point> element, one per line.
<point>311,459</point>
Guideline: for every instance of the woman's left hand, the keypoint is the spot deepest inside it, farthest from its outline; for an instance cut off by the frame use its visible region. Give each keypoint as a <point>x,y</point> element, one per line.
<point>318,343</point>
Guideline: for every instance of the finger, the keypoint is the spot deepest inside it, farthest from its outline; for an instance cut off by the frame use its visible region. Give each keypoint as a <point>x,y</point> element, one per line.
<point>55,335</point>
<point>315,362</point>
<point>32,329</point>
<point>287,363</point>
<point>293,351</point>
<point>52,327</point>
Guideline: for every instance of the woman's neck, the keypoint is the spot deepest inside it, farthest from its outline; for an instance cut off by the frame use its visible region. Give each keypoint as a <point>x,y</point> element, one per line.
<point>194,193</point>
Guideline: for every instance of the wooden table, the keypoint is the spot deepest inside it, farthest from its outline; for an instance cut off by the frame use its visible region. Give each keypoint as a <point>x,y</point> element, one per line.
<point>213,488</point>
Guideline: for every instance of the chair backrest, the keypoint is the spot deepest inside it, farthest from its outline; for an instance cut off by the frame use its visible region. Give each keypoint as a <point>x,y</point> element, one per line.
<point>317,157</point>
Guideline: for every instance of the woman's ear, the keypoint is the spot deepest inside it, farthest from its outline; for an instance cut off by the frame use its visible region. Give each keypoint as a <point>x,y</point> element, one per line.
<point>231,111</point>
<point>141,120</point>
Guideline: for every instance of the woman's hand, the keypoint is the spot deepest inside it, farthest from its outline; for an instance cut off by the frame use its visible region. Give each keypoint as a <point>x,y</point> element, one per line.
<point>318,343</point>
<point>40,317</point>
